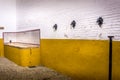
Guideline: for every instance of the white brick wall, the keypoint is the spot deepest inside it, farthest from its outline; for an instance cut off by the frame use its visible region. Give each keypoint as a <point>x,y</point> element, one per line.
<point>31,37</point>
<point>7,15</point>
<point>44,14</point>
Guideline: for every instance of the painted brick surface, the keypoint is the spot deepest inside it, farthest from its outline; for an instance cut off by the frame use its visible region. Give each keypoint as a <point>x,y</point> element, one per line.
<point>7,15</point>
<point>44,14</point>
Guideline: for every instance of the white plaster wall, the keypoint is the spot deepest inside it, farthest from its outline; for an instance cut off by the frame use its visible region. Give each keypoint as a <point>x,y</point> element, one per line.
<point>28,37</point>
<point>43,14</point>
<point>9,36</point>
<point>7,16</point>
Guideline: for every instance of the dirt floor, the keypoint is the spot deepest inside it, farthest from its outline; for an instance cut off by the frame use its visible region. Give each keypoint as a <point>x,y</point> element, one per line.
<point>11,71</point>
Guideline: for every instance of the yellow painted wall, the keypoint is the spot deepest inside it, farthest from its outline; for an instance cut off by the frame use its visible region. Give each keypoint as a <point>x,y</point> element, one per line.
<point>116,60</point>
<point>81,59</point>
<point>35,56</point>
<point>30,57</point>
<point>23,57</point>
<point>12,53</point>
<point>1,48</point>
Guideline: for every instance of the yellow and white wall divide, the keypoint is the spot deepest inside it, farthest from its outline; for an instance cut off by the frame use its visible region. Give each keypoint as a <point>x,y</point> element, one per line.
<point>81,52</point>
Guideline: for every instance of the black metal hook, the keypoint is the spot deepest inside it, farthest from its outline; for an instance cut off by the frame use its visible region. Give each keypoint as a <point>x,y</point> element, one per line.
<point>55,27</point>
<point>100,21</point>
<point>73,24</point>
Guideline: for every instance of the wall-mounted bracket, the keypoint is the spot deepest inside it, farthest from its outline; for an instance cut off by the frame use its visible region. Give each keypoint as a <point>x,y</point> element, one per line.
<point>1,27</point>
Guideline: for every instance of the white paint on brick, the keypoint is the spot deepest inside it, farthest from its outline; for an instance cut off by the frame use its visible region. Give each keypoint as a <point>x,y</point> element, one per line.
<point>7,15</point>
<point>44,14</point>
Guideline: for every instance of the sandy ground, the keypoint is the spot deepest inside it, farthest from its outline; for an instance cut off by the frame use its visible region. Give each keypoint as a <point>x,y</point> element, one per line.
<point>11,71</point>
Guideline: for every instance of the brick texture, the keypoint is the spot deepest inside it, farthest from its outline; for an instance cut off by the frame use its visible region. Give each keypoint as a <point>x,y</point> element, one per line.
<point>44,14</point>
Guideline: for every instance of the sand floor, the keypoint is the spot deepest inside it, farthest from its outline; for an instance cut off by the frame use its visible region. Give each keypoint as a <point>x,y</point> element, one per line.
<point>11,71</point>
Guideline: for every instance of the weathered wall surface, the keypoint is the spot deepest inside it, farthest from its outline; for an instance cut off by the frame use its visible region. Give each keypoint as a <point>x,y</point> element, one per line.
<point>44,14</point>
<point>7,15</point>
